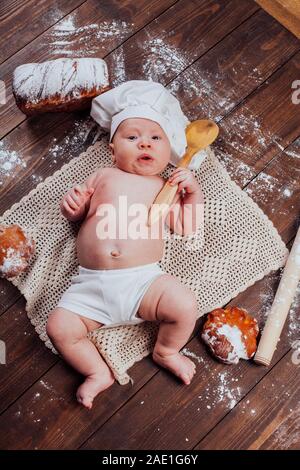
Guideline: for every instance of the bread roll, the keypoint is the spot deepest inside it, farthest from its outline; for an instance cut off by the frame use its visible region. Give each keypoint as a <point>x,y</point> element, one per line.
<point>16,248</point>
<point>230,334</point>
<point>59,85</point>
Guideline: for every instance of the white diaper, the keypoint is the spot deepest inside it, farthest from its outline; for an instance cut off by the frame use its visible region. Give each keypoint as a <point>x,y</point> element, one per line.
<point>110,296</point>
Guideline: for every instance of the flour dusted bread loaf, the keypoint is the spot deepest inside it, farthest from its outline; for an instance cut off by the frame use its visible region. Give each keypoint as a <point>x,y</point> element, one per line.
<point>59,85</point>
<point>230,334</point>
<point>16,248</point>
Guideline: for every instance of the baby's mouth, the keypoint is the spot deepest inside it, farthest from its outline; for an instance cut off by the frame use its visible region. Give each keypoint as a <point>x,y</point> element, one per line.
<point>145,158</point>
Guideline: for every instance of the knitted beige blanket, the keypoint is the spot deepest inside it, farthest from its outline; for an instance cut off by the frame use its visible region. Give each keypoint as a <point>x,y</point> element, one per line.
<point>238,246</point>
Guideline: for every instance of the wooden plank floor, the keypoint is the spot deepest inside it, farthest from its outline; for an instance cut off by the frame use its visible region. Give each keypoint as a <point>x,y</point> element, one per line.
<point>224,59</point>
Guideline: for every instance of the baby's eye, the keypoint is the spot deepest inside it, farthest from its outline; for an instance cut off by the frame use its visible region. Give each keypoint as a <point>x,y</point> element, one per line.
<point>132,137</point>
<point>156,137</point>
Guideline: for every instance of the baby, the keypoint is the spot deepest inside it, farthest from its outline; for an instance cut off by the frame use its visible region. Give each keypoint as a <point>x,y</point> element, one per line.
<point>119,279</point>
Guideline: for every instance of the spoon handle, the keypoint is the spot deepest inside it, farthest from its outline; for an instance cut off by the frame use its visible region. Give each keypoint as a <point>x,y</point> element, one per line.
<point>162,203</point>
<point>165,197</point>
<point>187,157</point>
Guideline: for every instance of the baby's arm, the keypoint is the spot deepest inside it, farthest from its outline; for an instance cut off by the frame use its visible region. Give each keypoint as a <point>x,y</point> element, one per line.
<point>186,213</point>
<point>75,204</point>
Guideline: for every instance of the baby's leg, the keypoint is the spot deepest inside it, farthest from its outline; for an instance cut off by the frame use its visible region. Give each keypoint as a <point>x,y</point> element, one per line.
<point>175,306</point>
<point>68,332</point>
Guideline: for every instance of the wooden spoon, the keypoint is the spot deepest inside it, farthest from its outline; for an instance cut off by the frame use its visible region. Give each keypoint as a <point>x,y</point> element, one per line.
<point>199,134</point>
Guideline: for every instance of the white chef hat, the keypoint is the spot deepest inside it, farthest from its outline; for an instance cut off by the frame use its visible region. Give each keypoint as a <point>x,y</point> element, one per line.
<point>143,99</point>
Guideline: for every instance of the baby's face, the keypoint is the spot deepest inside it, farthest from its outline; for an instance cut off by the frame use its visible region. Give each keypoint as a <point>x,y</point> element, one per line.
<point>140,146</point>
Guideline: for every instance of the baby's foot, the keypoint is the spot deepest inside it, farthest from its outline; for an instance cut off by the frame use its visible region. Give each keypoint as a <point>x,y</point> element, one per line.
<point>180,365</point>
<point>92,386</point>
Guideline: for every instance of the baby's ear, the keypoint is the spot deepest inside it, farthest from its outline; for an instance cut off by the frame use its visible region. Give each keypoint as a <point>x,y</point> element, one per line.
<point>112,148</point>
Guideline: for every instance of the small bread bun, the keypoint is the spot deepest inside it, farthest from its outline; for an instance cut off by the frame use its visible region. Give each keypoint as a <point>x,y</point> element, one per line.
<point>15,250</point>
<point>230,334</point>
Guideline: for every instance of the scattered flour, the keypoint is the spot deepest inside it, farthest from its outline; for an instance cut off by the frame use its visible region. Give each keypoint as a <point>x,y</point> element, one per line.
<point>266,298</point>
<point>65,38</point>
<point>187,352</point>
<point>270,194</point>
<point>118,67</point>
<point>201,94</point>
<point>55,14</point>
<point>293,319</point>
<point>46,385</point>
<point>10,162</point>
<point>239,171</point>
<point>162,59</point>
<point>208,88</point>
<point>226,392</point>
<point>263,189</point>
<point>193,87</point>
<point>243,67</point>
<point>221,387</point>
<point>287,192</point>
<point>243,134</point>
<point>84,132</point>
<point>287,435</point>
<point>292,154</point>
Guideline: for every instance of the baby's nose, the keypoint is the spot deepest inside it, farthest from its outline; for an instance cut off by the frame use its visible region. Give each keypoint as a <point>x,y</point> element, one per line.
<point>145,144</point>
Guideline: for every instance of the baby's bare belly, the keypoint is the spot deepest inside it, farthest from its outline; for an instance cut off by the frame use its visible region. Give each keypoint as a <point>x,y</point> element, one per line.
<point>115,253</point>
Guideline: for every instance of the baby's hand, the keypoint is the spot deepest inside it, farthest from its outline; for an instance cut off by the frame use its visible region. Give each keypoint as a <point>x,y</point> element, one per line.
<point>185,180</point>
<point>73,205</point>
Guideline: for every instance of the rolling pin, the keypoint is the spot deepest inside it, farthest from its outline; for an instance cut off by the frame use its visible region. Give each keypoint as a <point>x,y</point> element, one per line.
<point>280,307</point>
